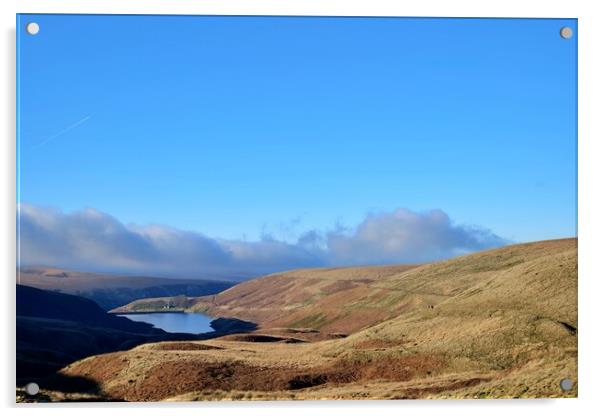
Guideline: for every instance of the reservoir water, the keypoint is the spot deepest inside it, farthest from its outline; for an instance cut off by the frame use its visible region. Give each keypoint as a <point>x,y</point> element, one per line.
<point>190,323</point>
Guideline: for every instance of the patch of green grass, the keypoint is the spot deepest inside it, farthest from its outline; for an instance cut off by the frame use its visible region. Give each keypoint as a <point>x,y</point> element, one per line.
<point>310,321</point>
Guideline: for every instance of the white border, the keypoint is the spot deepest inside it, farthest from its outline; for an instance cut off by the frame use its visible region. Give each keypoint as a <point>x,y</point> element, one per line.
<point>590,162</point>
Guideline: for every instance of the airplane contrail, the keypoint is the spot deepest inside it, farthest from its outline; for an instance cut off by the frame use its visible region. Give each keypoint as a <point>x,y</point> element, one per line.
<point>65,130</point>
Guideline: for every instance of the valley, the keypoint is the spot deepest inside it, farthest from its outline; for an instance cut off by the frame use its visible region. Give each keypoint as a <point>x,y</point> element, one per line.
<point>496,324</point>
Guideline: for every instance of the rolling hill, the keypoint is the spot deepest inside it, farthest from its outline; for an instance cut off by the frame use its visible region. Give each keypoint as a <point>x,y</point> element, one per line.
<point>495,324</point>
<point>299,298</point>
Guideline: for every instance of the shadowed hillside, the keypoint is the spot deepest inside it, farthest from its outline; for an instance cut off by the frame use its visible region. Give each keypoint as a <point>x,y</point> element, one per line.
<point>55,329</point>
<point>501,323</point>
<point>36,303</point>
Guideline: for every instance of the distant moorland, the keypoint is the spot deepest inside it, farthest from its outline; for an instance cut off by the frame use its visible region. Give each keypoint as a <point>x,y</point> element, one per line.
<point>110,291</point>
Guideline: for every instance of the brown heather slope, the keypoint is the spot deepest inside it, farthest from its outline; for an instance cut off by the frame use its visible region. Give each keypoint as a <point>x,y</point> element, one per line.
<point>277,299</point>
<point>501,323</point>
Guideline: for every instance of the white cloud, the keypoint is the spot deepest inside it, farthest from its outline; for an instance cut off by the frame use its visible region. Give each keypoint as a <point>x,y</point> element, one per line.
<point>95,241</point>
<point>407,237</point>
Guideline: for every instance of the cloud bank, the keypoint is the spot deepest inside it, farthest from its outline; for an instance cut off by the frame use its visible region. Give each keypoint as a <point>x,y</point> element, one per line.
<point>94,241</point>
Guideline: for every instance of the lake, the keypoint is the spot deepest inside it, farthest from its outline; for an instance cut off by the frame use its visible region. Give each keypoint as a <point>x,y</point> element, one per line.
<point>190,323</point>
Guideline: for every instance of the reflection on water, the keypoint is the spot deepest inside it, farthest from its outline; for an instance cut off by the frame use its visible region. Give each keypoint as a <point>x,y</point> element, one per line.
<point>191,323</point>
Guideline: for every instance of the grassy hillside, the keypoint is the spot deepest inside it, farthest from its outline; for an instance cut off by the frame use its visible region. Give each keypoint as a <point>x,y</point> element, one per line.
<point>275,299</point>
<point>110,291</point>
<point>501,323</point>
<point>345,300</point>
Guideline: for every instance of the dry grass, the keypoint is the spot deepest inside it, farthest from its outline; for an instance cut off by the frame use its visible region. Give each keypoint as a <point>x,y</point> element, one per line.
<point>502,323</point>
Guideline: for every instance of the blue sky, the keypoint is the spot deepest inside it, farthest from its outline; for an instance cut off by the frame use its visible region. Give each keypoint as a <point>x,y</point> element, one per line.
<point>239,128</point>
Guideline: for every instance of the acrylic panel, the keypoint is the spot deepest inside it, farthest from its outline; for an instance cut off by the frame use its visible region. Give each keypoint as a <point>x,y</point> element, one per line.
<point>307,208</point>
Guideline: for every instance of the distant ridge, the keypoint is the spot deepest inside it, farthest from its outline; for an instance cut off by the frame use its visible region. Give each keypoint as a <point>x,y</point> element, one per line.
<point>110,291</point>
